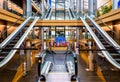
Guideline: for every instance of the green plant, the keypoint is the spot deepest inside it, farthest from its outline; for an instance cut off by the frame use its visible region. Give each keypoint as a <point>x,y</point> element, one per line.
<point>105,9</point>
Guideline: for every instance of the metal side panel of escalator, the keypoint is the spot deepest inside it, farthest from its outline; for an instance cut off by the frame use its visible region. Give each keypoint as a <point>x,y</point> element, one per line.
<point>57,67</point>
<point>12,42</point>
<point>105,43</point>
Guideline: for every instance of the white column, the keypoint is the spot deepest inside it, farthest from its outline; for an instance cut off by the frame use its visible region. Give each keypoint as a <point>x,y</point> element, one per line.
<point>77,40</point>
<point>43,9</point>
<point>72,4</point>
<point>42,38</point>
<point>48,3</point>
<point>81,6</point>
<point>95,7</point>
<point>29,8</point>
<point>78,8</point>
<point>90,7</point>
<point>115,4</point>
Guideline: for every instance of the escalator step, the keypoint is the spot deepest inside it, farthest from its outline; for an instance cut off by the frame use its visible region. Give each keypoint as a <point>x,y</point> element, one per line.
<point>4,53</point>
<point>2,57</point>
<point>10,44</point>
<point>118,60</point>
<point>115,55</point>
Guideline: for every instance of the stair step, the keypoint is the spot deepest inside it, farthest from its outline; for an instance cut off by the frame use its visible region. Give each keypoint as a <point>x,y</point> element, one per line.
<point>3,53</point>
<point>2,57</point>
<point>117,59</point>
<point>114,54</point>
<point>10,44</point>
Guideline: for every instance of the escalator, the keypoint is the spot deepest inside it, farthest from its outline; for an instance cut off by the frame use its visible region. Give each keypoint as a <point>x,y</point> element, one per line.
<point>110,49</point>
<point>10,45</point>
<point>57,67</point>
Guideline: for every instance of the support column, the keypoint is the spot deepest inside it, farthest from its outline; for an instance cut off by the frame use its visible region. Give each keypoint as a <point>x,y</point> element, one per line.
<point>95,7</point>
<point>77,40</point>
<point>81,6</point>
<point>29,8</point>
<point>71,4</point>
<point>115,4</point>
<point>42,38</point>
<point>90,7</point>
<point>43,9</point>
<point>78,8</point>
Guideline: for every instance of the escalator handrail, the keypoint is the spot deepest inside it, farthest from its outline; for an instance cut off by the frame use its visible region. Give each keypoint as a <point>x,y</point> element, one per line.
<point>100,45</point>
<point>104,33</point>
<point>17,45</point>
<point>105,24</point>
<point>14,32</point>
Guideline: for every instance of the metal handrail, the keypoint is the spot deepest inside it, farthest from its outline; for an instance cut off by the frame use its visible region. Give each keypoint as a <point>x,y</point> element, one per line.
<point>17,45</point>
<point>14,33</point>
<point>100,45</point>
<point>99,19</point>
<point>104,33</point>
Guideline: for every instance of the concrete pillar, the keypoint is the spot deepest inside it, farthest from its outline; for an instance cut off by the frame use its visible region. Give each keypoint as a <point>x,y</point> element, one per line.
<point>90,7</point>
<point>42,38</point>
<point>72,4</point>
<point>115,4</point>
<point>78,8</point>
<point>95,7</point>
<point>29,8</point>
<point>81,6</point>
<point>48,4</point>
<point>77,40</point>
<point>43,8</point>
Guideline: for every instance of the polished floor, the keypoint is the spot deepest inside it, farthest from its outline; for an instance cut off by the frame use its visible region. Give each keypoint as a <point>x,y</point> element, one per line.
<point>85,76</point>
<point>7,74</point>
